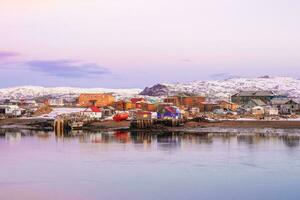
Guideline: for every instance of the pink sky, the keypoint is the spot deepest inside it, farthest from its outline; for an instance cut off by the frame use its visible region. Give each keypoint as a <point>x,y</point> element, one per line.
<point>142,42</point>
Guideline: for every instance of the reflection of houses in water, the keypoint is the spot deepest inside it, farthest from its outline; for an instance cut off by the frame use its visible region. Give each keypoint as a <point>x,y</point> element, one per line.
<point>291,140</point>
<point>169,140</point>
<point>250,138</point>
<point>95,138</point>
<point>198,138</point>
<point>43,135</point>
<point>122,136</point>
<point>13,136</point>
<point>142,137</point>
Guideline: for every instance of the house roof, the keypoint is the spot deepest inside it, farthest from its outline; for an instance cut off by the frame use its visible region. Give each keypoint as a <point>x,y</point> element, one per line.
<point>258,102</point>
<point>171,109</point>
<point>279,101</point>
<point>224,101</point>
<point>255,93</point>
<point>92,109</point>
<point>137,99</point>
<point>208,103</point>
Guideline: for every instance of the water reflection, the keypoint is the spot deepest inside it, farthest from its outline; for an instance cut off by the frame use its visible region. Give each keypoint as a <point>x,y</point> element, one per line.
<point>142,165</point>
<point>162,140</point>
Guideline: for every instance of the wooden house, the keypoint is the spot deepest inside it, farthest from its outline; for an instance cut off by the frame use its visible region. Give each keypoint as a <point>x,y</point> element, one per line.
<point>208,106</point>
<point>124,105</point>
<point>226,105</point>
<point>285,106</point>
<point>143,115</point>
<point>244,97</point>
<point>147,106</point>
<point>98,99</point>
<point>185,101</point>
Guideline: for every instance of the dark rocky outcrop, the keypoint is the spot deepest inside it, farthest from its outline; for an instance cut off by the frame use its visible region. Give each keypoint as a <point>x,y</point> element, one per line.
<point>156,90</point>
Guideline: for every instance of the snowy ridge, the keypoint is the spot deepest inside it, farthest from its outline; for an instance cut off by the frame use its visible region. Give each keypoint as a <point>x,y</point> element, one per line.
<point>28,92</point>
<point>223,89</point>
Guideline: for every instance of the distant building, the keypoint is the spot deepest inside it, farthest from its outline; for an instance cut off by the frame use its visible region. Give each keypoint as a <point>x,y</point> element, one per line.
<point>254,103</point>
<point>93,112</point>
<point>244,97</point>
<point>108,111</point>
<point>28,103</point>
<point>186,101</point>
<point>56,102</point>
<point>168,112</point>
<point>98,100</point>
<point>143,115</point>
<point>208,106</point>
<point>11,110</point>
<point>226,105</point>
<point>269,110</point>
<point>124,105</point>
<point>137,99</point>
<point>285,106</point>
<point>258,110</point>
<point>147,106</point>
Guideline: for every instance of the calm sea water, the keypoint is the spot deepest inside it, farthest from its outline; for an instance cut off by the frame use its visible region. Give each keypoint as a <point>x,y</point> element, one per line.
<point>122,165</point>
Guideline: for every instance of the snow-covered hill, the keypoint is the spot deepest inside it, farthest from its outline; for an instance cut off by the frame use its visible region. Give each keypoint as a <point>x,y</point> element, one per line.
<point>28,92</point>
<point>217,89</point>
<point>223,89</point>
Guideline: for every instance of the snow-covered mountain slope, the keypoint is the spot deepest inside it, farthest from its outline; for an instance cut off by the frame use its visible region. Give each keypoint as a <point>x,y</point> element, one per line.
<point>223,89</point>
<point>28,92</point>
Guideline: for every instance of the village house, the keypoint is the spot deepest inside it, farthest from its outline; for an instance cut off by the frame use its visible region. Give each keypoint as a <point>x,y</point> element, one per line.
<point>194,111</point>
<point>71,102</point>
<point>244,97</point>
<point>108,111</point>
<point>168,112</point>
<point>257,110</point>
<point>147,106</point>
<point>143,115</point>
<point>208,106</point>
<point>123,105</point>
<point>285,105</point>
<point>254,103</point>
<point>269,110</point>
<point>57,102</point>
<point>30,103</point>
<point>11,110</point>
<point>98,100</point>
<point>186,101</point>
<point>226,105</point>
<point>93,112</point>
<point>136,99</point>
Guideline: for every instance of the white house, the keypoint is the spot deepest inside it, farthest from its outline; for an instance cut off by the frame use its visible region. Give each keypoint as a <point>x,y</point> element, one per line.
<point>285,106</point>
<point>11,110</point>
<point>93,112</point>
<point>257,110</point>
<point>269,110</point>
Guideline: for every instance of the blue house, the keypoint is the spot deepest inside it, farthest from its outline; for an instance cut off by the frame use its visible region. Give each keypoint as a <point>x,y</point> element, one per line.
<point>169,112</point>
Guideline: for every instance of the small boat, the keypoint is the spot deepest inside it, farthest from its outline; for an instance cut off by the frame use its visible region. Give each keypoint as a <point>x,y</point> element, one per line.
<point>121,117</point>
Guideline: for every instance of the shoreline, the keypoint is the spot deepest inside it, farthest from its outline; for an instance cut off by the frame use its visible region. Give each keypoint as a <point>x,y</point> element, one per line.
<point>110,125</point>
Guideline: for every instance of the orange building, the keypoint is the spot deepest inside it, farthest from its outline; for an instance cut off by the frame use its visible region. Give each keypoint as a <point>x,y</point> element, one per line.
<point>99,100</point>
<point>147,106</point>
<point>207,106</point>
<point>227,105</point>
<point>187,101</point>
<point>124,105</point>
